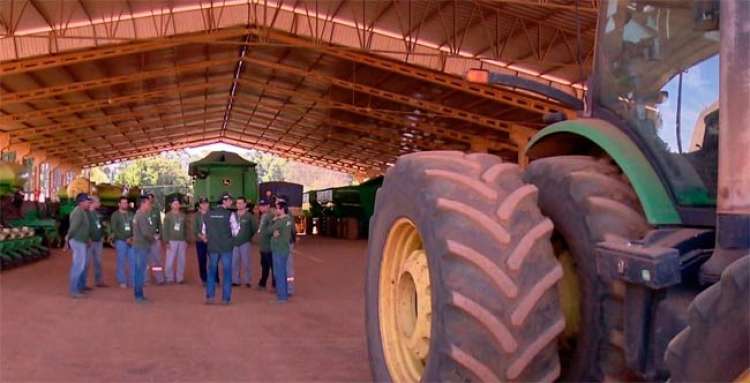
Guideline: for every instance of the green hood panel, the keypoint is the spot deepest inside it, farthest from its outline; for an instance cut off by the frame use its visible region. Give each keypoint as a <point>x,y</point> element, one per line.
<point>658,206</point>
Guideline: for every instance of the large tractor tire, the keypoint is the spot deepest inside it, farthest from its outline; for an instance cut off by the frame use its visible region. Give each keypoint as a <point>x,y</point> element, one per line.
<point>589,201</point>
<point>461,274</point>
<point>715,346</point>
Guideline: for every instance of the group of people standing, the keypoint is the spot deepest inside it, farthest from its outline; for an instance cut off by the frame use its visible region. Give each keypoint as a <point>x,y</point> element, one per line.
<point>223,235</point>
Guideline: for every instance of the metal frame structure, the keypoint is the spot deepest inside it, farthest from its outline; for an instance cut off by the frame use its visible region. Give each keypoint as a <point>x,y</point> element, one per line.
<point>348,85</point>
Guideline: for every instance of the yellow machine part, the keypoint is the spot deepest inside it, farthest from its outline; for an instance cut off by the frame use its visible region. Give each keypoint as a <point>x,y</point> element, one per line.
<point>78,185</point>
<point>405,303</point>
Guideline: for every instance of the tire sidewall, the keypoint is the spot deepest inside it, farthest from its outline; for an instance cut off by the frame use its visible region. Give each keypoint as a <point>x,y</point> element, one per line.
<point>410,204</point>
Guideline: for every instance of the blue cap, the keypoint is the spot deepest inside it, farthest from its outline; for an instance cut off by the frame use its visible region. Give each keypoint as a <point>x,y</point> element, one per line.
<point>263,201</point>
<point>82,197</point>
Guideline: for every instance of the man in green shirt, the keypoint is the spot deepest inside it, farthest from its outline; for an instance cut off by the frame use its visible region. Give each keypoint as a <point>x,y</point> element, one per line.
<point>264,234</point>
<point>175,238</point>
<point>281,231</point>
<point>241,265</point>
<point>78,238</point>
<point>219,237</point>
<point>95,248</point>
<point>201,247</point>
<point>121,224</point>
<point>153,261</point>
<point>144,235</point>
<point>292,241</point>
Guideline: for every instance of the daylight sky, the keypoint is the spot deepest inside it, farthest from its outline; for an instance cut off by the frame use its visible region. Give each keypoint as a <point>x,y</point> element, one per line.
<point>700,89</point>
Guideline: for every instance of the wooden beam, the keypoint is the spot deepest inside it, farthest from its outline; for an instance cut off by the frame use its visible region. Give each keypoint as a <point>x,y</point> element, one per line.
<point>497,94</point>
<point>117,130</point>
<point>444,133</point>
<point>114,50</point>
<point>148,153</point>
<point>72,126</point>
<point>429,106</point>
<point>99,103</point>
<point>52,91</point>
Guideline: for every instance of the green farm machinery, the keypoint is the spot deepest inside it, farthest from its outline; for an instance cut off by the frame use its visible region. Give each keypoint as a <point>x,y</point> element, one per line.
<point>343,212</point>
<point>20,245</point>
<point>23,238</point>
<point>620,252</point>
<point>224,172</point>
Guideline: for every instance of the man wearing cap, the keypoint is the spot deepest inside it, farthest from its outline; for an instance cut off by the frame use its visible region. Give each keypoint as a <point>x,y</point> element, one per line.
<point>280,233</point>
<point>153,260</point>
<point>144,235</point>
<point>265,233</point>
<point>201,247</point>
<point>95,248</point>
<point>121,224</point>
<point>174,237</point>
<point>292,240</point>
<point>241,267</point>
<point>219,236</point>
<point>78,238</point>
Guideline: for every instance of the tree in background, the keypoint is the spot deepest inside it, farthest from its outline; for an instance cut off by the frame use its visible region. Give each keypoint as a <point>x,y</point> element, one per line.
<point>153,171</point>
<point>268,167</point>
<point>99,176</point>
<point>273,168</point>
<point>168,172</point>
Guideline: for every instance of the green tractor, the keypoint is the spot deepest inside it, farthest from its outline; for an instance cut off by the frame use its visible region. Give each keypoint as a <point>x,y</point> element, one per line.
<point>621,252</point>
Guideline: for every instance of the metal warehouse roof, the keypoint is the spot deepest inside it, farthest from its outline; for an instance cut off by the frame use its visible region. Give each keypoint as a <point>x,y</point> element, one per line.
<point>348,85</point>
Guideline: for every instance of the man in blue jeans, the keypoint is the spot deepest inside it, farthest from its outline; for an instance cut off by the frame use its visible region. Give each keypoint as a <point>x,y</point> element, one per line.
<point>78,238</point>
<point>281,231</point>
<point>121,226</point>
<point>220,229</point>
<point>95,248</point>
<point>144,234</point>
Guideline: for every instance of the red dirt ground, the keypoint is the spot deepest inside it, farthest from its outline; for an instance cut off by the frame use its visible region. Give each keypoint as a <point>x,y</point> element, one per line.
<point>318,336</point>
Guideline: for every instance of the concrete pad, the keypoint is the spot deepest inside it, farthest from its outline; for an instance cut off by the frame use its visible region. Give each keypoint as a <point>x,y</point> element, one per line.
<point>318,336</point>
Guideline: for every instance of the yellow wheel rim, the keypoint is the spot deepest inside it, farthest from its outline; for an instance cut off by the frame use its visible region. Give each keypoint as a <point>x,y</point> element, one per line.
<point>569,290</point>
<point>405,303</point>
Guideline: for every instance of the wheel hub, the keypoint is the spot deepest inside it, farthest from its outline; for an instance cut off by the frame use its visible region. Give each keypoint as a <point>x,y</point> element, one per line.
<point>405,303</point>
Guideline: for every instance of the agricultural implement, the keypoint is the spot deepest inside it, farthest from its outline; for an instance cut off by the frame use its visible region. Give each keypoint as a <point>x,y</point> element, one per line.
<point>19,246</point>
<point>621,252</point>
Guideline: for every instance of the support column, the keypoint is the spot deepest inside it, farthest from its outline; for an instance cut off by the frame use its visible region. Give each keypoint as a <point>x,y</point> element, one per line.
<point>36,165</point>
<point>521,137</point>
<point>733,194</point>
<point>479,145</point>
<point>53,183</point>
<point>22,150</point>
<point>4,141</point>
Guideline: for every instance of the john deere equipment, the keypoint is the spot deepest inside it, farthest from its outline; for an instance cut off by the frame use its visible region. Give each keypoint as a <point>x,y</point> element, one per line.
<point>19,246</point>
<point>221,172</point>
<point>620,252</point>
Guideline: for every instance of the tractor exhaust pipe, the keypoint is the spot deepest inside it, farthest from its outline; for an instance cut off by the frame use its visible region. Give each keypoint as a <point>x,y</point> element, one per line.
<point>733,205</point>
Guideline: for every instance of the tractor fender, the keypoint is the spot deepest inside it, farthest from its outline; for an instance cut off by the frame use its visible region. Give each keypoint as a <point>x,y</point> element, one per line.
<point>590,136</point>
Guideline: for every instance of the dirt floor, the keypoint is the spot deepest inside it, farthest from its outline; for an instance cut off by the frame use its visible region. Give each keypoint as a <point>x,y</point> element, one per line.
<point>318,336</point>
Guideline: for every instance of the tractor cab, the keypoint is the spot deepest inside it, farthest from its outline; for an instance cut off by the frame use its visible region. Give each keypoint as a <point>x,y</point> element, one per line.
<point>657,77</point>
<point>618,253</point>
